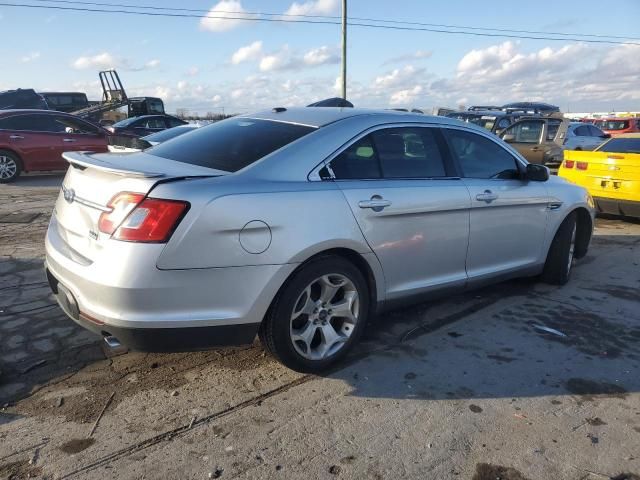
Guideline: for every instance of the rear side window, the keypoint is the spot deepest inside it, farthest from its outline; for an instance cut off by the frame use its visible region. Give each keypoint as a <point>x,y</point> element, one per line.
<point>391,153</point>
<point>29,123</point>
<point>525,132</point>
<point>232,144</point>
<point>582,131</point>
<point>480,157</point>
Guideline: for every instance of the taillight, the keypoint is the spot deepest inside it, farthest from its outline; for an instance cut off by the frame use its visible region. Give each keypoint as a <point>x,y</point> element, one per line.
<point>138,219</point>
<point>582,165</point>
<point>121,205</point>
<point>568,163</point>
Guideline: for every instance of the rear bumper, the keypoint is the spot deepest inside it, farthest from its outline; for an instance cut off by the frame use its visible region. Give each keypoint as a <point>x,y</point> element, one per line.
<point>613,206</point>
<point>154,339</point>
<point>123,294</point>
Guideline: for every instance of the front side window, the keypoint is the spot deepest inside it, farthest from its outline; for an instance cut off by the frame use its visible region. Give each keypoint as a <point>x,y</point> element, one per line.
<point>232,144</point>
<point>595,131</point>
<point>155,122</point>
<point>582,131</point>
<point>358,161</point>
<point>613,124</point>
<point>71,125</point>
<point>480,157</point>
<point>525,132</point>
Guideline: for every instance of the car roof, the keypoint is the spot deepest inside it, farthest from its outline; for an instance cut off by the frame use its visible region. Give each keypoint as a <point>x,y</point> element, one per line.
<point>11,111</point>
<point>320,116</point>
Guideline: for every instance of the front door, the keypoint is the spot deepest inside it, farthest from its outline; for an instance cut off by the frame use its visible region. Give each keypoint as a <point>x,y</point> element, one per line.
<point>508,214</point>
<point>411,209</point>
<point>526,136</point>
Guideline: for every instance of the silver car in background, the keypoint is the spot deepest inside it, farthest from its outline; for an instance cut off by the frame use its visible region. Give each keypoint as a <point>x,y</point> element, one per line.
<point>299,225</point>
<point>583,136</point>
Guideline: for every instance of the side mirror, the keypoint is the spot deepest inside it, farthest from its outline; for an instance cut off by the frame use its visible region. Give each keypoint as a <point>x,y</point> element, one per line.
<point>537,173</point>
<point>509,138</point>
<point>606,135</point>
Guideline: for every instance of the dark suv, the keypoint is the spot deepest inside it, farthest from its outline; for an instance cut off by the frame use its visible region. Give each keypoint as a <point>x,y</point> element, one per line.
<point>22,98</point>
<point>493,120</point>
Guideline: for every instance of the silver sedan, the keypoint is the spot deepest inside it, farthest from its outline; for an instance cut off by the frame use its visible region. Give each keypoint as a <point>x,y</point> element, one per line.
<point>299,225</point>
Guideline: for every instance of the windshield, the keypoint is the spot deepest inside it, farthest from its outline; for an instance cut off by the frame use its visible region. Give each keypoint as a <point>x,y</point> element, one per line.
<point>232,144</point>
<point>485,121</point>
<point>621,145</point>
<point>165,135</point>
<point>612,124</point>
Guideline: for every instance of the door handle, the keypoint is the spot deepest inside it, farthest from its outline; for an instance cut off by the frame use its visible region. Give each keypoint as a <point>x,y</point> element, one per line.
<point>16,137</point>
<point>535,149</point>
<point>377,203</point>
<point>488,196</point>
<point>67,140</point>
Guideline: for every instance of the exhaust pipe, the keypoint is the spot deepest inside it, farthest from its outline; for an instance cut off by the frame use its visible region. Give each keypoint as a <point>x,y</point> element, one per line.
<point>112,346</point>
<point>112,342</point>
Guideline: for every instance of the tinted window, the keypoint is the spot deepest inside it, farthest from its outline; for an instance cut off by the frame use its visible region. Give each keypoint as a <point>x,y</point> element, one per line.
<point>480,157</point>
<point>153,122</point>
<point>231,144</point>
<point>72,125</point>
<point>552,130</point>
<point>174,122</point>
<point>503,123</point>
<point>408,153</point>
<point>526,132</point>
<point>34,123</point>
<point>613,124</point>
<point>358,161</point>
<point>582,131</point>
<point>621,145</point>
<point>595,131</point>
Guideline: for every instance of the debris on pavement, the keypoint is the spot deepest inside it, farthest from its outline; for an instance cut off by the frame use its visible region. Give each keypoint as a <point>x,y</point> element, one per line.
<point>104,409</point>
<point>549,330</point>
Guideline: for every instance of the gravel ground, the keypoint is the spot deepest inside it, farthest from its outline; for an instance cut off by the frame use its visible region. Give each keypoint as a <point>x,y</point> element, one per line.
<point>464,387</point>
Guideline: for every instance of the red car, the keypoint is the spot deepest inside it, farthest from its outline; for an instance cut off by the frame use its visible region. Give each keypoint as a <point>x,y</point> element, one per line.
<point>618,126</point>
<point>33,140</point>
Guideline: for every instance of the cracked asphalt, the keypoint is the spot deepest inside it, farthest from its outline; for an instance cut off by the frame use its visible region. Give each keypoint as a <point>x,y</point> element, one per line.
<point>469,386</point>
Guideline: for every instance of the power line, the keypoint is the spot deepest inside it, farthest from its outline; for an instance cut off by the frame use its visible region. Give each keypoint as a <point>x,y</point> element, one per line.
<point>334,17</point>
<point>319,22</point>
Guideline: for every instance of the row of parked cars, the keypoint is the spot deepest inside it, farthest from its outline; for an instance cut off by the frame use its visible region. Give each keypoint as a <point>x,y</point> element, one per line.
<point>34,140</point>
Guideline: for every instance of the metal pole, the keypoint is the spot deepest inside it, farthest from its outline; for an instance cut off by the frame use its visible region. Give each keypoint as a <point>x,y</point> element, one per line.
<point>344,49</point>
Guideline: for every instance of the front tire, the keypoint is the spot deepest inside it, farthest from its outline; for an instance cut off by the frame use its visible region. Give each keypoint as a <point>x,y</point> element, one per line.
<point>318,316</point>
<point>10,166</point>
<point>557,268</point>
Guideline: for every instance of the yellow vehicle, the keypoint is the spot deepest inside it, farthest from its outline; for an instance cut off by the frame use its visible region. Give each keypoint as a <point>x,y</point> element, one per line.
<point>611,174</point>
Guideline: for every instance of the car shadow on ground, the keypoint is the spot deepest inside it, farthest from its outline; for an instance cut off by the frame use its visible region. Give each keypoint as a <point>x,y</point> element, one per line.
<point>479,344</point>
<point>53,179</point>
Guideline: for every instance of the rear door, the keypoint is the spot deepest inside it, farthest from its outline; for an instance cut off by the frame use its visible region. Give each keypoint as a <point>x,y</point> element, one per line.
<point>410,206</point>
<point>34,138</point>
<point>508,215</point>
<point>526,136</point>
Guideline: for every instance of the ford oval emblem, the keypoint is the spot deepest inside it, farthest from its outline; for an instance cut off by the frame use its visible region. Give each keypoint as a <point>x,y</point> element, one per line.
<point>69,194</point>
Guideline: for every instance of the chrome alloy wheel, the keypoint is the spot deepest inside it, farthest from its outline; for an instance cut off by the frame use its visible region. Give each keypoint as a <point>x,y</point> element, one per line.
<point>324,316</point>
<point>8,167</point>
<point>572,248</point>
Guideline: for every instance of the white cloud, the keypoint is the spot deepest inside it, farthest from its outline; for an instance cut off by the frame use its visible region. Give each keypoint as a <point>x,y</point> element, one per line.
<point>405,97</point>
<point>313,7</point>
<point>152,63</point>
<point>224,16</point>
<point>398,76</point>
<point>321,56</point>
<point>30,57</point>
<point>102,60</point>
<point>249,52</point>
<point>417,55</point>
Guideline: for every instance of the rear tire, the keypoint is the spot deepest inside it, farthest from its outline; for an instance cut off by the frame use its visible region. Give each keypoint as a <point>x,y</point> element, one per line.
<point>557,268</point>
<point>10,166</point>
<point>318,315</point>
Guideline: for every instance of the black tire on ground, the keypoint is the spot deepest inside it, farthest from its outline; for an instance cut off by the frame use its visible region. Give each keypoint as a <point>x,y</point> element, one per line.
<point>557,268</point>
<point>275,330</point>
<point>10,166</point>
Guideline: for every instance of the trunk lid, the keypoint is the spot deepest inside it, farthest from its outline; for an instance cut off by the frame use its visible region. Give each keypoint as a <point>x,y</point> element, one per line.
<point>608,174</point>
<point>92,180</point>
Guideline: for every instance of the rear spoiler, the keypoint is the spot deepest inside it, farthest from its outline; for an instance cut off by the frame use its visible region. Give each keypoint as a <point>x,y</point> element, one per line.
<point>86,160</point>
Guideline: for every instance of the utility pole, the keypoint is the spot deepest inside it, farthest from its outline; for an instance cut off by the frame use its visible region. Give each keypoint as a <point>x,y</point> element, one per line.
<point>344,49</point>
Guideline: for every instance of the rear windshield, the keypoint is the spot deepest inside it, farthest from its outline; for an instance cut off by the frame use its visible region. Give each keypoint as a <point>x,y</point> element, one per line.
<point>612,124</point>
<point>621,145</point>
<point>232,144</point>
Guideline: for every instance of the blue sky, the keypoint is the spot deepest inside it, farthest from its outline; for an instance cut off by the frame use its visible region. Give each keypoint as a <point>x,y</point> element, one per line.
<point>243,66</point>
